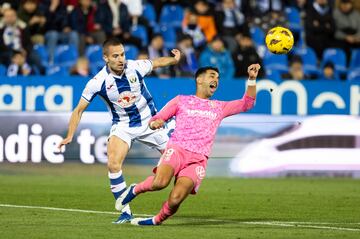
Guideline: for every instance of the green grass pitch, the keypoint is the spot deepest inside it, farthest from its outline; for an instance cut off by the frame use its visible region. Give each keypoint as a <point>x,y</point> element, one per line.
<point>224,208</point>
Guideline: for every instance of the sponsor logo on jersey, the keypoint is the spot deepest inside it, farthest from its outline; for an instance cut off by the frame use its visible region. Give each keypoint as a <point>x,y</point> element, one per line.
<point>202,113</point>
<point>126,99</point>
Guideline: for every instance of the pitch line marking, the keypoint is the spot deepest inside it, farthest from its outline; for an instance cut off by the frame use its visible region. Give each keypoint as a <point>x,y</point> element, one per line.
<point>269,223</point>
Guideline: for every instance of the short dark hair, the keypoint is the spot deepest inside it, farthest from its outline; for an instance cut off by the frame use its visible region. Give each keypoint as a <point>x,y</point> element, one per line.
<point>203,70</point>
<point>296,59</point>
<point>113,41</point>
<point>329,64</point>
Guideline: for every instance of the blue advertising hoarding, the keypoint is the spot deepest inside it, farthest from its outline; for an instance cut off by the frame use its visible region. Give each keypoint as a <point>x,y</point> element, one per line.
<point>61,94</point>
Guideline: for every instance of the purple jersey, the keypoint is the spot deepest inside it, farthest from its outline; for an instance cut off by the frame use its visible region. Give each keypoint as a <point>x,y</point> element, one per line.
<point>198,119</point>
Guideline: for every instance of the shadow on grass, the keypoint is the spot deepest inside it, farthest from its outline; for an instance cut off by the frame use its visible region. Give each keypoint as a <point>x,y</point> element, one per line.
<point>212,221</point>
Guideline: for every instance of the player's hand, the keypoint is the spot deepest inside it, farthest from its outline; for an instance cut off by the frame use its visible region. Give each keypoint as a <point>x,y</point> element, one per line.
<point>177,54</point>
<point>65,141</point>
<point>253,71</point>
<point>156,124</point>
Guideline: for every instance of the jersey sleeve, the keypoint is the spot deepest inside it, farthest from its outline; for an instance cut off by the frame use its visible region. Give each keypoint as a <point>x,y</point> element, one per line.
<point>238,106</point>
<point>144,67</point>
<point>92,88</point>
<point>168,111</point>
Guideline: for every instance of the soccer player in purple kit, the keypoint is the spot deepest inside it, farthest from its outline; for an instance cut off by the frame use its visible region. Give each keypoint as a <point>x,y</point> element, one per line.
<point>186,154</point>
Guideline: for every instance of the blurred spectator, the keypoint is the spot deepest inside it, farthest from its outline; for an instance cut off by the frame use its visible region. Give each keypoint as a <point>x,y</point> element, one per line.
<point>244,55</point>
<point>300,5</point>
<point>30,13</point>
<point>188,63</point>
<point>143,55</point>
<point>193,29</point>
<point>347,22</point>
<point>319,26</point>
<point>114,18</point>
<point>329,73</point>
<point>81,68</point>
<point>18,66</point>
<point>135,8</point>
<point>57,30</point>
<point>262,7</point>
<point>70,4</point>
<point>218,56</point>
<point>14,35</point>
<point>268,14</point>
<point>296,71</point>
<point>205,18</point>
<point>230,21</point>
<point>6,4</point>
<point>157,49</point>
<point>82,20</point>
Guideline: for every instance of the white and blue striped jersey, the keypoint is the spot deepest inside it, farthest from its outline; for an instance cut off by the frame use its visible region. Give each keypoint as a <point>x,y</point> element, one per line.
<point>126,96</point>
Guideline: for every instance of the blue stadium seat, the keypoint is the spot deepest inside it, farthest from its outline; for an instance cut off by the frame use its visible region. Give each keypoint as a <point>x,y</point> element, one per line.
<point>355,59</point>
<point>273,75</point>
<point>57,70</point>
<point>354,75</point>
<point>169,35</point>
<point>150,14</point>
<point>3,70</point>
<point>337,56</point>
<point>172,15</point>
<point>257,35</point>
<point>43,54</point>
<point>275,62</point>
<point>140,32</point>
<point>309,59</point>
<point>131,52</point>
<point>95,56</point>
<point>293,16</point>
<point>65,55</point>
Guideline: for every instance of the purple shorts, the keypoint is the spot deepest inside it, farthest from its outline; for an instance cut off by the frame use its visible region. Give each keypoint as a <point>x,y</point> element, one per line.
<point>185,164</point>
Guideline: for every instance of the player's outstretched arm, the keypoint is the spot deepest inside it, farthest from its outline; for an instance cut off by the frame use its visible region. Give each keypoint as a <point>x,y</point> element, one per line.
<point>253,71</point>
<point>169,110</point>
<point>167,60</point>
<point>247,101</point>
<point>74,122</point>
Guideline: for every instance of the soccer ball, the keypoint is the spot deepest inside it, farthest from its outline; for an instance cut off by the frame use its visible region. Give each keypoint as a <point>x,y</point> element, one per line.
<point>279,40</point>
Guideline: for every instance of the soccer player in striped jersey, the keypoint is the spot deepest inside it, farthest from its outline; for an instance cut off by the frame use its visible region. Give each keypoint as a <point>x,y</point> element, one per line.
<point>121,85</point>
<point>185,158</point>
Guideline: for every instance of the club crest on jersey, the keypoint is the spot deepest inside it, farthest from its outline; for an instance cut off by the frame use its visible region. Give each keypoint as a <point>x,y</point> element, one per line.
<point>132,79</point>
<point>200,172</point>
<point>126,99</point>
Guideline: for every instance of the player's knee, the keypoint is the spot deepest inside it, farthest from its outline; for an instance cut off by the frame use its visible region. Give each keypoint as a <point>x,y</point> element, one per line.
<point>160,183</point>
<point>175,199</point>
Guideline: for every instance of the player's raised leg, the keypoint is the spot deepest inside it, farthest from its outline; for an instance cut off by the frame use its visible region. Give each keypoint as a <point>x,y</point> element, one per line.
<point>161,180</point>
<point>117,151</point>
<point>181,190</point>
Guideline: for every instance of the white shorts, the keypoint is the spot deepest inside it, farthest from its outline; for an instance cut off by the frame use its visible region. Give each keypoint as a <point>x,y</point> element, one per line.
<point>152,138</point>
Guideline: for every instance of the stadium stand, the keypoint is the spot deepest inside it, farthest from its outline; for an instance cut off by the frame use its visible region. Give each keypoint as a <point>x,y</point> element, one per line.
<point>65,55</point>
<point>168,19</point>
<point>275,62</point>
<point>172,15</point>
<point>337,57</point>
<point>309,59</point>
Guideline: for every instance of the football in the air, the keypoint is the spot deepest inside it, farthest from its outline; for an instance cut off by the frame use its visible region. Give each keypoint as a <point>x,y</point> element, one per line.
<point>279,40</point>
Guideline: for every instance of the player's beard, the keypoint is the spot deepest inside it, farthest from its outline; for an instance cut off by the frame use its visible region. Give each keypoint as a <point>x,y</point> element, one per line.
<point>118,70</point>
